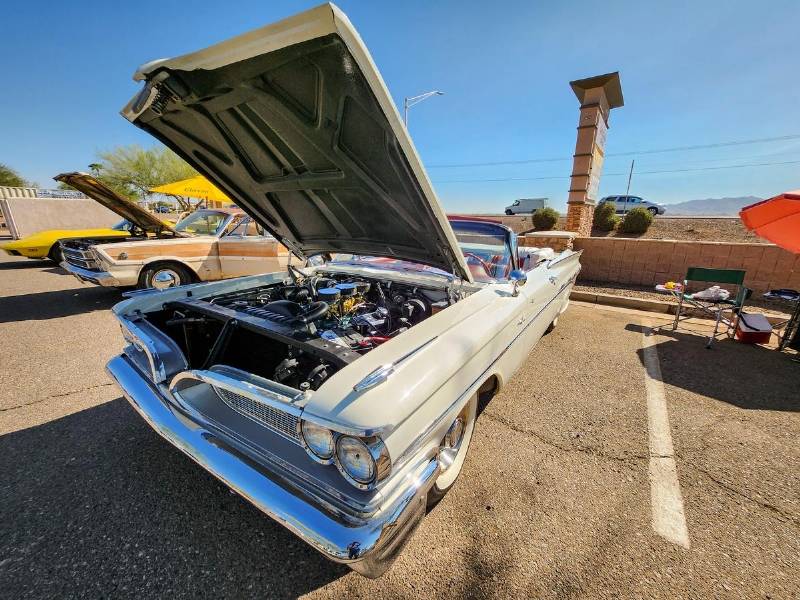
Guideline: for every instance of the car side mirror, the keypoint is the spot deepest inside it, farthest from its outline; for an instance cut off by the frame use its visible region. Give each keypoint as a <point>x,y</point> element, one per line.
<point>518,279</point>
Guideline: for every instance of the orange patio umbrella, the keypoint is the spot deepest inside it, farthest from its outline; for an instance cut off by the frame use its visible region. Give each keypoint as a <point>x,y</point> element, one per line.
<point>776,219</point>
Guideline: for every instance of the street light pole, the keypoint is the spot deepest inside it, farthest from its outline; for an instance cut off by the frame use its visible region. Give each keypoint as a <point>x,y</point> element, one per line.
<point>409,102</point>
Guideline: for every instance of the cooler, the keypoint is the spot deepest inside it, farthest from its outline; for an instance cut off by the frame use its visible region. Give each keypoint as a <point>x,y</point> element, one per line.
<point>753,329</point>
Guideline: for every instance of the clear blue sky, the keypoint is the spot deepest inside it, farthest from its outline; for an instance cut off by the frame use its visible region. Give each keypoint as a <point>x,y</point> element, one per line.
<point>692,73</point>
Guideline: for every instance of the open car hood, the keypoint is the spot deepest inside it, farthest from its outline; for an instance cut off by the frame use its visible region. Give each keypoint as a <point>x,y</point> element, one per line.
<point>295,124</point>
<point>115,202</point>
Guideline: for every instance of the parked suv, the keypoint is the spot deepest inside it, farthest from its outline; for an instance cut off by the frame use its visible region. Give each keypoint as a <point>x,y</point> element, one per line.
<point>625,203</point>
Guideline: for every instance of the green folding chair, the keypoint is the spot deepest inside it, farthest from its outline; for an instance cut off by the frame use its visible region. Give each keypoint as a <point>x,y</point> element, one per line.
<point>717,309</point>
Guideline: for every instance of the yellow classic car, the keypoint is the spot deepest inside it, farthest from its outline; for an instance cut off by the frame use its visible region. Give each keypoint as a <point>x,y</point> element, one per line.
<point>136,223</point>
<point>45,244</point>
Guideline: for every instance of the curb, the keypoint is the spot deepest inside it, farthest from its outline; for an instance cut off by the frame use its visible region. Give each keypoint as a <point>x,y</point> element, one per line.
<point>656,306</point>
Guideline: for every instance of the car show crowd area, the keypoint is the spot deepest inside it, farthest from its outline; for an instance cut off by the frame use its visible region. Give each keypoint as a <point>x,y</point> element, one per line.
<point>555,499</point>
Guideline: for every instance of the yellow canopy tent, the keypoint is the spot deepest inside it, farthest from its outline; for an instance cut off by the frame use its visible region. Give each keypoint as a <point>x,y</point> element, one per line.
<point>195,187</point>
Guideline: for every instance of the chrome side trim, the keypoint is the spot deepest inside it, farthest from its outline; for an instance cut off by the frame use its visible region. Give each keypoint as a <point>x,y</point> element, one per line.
<point>576,254</point>
<point>142,292</point>
<point>343,429</point>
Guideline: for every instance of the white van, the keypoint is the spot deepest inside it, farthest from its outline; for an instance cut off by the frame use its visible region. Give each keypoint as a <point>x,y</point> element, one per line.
<point>526,205</point>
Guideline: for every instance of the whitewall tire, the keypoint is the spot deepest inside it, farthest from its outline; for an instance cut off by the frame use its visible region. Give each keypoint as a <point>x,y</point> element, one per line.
<point>453,450</point>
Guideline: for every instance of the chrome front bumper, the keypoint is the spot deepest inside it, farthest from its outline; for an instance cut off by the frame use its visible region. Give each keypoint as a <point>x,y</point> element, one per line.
<point>367,546</point>
<point>97,277</point>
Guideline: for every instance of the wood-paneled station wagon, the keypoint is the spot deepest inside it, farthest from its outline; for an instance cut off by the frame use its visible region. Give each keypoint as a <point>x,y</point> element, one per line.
<point>206,245</point>
<point>338,397</point>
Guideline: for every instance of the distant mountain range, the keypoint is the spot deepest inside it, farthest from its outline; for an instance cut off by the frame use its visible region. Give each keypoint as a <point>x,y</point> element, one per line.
<point>723,207</point>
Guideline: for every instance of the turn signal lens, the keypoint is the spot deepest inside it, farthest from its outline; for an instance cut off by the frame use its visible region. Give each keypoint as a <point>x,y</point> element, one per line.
<point>318,440</point>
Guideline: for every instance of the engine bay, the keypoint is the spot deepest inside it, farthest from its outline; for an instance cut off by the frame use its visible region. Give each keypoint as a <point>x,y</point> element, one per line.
<point>300,331</point>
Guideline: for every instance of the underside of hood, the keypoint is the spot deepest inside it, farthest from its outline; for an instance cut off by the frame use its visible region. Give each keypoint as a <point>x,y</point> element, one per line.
<point>295,124</point>
<point>115,202</point>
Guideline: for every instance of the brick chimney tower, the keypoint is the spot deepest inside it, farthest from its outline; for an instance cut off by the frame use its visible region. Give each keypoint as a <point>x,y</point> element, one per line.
<point>597,95</point>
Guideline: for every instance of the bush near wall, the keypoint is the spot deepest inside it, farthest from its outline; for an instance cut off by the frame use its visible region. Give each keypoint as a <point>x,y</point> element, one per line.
<point>637,220</point>
<point>605,218</point>
<point>545,219</point>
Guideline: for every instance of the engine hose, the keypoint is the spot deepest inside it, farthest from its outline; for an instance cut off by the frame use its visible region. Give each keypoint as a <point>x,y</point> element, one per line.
<point>385,305</point>
<point>373,340</point>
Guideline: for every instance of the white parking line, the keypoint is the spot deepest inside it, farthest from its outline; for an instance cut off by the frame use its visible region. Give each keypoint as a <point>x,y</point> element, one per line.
<point>666,503</point>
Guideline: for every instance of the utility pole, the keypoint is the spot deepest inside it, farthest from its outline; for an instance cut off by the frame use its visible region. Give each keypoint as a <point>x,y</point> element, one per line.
<point>628,189</point>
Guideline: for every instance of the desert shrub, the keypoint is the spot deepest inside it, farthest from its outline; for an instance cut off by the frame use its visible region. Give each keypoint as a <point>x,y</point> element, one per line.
<point>605,218</point>
<point>545,219</point>
<point>636,221</point>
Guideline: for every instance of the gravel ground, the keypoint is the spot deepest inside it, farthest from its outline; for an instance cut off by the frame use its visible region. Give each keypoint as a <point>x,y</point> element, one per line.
<point>698,230</point>
<point>665,228</point>
<point>554,500</point>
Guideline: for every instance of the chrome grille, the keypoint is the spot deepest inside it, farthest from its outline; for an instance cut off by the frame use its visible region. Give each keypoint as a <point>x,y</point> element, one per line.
<point>279,421</point>
<point>80,258</point>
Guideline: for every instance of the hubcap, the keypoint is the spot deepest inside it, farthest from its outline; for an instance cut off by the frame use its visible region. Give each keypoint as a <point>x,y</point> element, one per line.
<point>165,278</point>
<point>451,443</point>
<point>455,433</point>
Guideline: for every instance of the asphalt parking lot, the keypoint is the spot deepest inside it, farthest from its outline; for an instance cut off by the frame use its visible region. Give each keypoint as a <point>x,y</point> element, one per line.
<point>559,496</point>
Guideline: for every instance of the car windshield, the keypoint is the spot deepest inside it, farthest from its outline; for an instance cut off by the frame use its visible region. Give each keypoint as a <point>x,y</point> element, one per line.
<point>202,222</point>
<point>484,245</point>
<point>123,225</point>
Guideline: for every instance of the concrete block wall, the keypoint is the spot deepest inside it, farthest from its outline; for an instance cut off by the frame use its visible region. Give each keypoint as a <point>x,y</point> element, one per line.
<point>26,216</point>
<point>648,262</point>
<point>557,240</point>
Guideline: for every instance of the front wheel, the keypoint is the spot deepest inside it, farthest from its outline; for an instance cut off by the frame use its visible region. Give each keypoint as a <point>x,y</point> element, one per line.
<point>56,254</point>
<point>552,326</point>
<point>653,211</point>
<point>509,212</point>
<point>453,451</point>
<point>162,277</point>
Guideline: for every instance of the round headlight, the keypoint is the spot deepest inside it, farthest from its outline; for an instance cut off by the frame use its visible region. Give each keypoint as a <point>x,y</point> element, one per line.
<point>318,440</point>
<point>355,460</point>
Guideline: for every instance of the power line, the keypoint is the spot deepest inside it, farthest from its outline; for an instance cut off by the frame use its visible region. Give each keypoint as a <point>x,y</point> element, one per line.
<point>687,170</point>
<point>782,138</point>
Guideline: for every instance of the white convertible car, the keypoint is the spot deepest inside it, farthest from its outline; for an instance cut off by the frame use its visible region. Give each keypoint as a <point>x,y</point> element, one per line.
<point>340,396</point>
